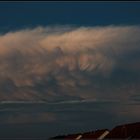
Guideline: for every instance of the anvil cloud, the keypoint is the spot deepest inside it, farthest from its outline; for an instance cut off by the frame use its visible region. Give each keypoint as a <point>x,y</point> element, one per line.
<point>68,63</point>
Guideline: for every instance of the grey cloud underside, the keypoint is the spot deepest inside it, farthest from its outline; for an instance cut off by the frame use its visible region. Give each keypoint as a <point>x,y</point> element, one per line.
<point>64,63</point>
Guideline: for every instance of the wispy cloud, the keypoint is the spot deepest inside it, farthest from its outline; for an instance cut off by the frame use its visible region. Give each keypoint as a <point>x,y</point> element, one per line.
<point>19,117</point>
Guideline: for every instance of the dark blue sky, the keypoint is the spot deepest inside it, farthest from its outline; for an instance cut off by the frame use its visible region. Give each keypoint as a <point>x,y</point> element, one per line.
<point>15,15</point>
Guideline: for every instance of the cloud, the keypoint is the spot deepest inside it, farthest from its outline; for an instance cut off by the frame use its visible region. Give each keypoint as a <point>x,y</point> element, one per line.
<point>27,117</point>
<point>66,63</point>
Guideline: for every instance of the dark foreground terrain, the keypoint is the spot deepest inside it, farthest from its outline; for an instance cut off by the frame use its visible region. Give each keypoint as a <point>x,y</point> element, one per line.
<point>125,131</point>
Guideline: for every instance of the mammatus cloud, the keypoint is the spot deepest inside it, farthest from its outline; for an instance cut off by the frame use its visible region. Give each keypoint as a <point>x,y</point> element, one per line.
<point>64,63</point>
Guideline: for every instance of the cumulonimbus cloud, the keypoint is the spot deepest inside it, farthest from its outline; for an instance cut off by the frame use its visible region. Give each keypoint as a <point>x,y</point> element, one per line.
<point>65,63</point>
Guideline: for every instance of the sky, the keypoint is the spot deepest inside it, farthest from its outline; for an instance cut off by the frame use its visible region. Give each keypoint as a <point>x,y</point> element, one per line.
<point>74,65</point>
<point>16,15</point>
